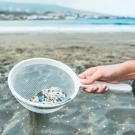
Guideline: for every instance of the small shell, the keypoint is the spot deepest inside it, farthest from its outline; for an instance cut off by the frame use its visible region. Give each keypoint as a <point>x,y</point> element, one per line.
<point>34,99</point>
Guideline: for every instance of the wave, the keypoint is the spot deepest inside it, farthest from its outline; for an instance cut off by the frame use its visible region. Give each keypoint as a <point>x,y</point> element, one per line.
<point>66,29</point>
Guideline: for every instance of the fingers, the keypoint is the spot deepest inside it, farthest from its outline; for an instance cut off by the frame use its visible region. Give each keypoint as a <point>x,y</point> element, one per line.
<point>101,89</point>
<point>87,73</point>
<point>91,89</point>
<point>90,76</point>
<point>82,75</point>
<point>85,81</point>
<point>96,76</point>
<point>91,79</point>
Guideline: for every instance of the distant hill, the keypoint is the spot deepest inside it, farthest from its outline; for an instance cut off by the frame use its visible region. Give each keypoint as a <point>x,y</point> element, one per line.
<point>31,11</point>
<point>40,8</point>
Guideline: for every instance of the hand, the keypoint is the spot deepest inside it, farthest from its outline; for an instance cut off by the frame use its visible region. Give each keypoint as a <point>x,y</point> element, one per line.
<point>107,73</point>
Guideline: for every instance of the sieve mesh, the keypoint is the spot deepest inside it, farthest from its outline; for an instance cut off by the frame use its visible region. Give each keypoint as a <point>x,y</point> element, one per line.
<point>30,80</point>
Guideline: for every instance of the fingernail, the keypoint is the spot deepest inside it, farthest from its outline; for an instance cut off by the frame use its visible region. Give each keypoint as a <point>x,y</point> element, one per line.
<point>106,89</point>
<point>104,85</point>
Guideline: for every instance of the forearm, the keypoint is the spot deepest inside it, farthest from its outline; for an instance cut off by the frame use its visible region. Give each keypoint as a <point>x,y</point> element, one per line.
<point>128,70</point>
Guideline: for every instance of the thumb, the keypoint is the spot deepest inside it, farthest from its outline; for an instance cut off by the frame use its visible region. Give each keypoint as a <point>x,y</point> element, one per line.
<point>91,79</point>
<point>95,77</point>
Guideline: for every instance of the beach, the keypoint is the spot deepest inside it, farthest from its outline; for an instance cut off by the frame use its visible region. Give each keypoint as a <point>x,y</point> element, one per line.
<point>88,114</point>
<point>91,49</point>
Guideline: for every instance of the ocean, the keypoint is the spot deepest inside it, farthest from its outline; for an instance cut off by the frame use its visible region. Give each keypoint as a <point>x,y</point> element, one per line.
<point>69,25</point>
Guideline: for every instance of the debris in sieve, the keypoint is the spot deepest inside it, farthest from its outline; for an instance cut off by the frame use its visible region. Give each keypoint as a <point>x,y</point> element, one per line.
<point>49,96</point>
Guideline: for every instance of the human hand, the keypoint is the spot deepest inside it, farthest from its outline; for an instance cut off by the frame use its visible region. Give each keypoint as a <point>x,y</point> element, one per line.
<point>107,73</point>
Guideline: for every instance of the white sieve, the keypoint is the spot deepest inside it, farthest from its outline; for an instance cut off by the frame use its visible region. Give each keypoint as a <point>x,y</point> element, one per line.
<point>30,76</point>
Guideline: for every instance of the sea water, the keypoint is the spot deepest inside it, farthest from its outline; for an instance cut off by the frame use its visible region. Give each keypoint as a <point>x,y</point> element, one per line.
<point>69,25</point>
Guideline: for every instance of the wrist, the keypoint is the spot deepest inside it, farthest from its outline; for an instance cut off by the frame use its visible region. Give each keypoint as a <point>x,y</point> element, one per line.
<point>128,69</point>
<point>129,66</point>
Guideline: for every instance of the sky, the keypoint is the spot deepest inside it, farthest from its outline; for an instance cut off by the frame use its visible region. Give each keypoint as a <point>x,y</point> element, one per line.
<point>113,7</point>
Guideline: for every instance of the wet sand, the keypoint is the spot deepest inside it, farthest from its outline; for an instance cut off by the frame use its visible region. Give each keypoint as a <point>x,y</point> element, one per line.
<point>88,114</point>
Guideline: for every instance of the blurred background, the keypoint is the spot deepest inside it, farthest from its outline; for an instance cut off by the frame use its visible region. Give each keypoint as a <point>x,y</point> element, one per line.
<point>66,15</point>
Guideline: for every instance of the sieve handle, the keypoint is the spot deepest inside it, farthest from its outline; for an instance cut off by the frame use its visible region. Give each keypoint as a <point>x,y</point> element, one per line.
<point>120,87</point>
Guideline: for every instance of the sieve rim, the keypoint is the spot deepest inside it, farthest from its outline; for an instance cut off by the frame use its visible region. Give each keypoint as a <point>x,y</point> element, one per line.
<point>64,67</point>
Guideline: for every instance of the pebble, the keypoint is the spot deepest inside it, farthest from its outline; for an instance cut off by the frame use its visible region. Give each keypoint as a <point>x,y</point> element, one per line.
<point>50,95</point>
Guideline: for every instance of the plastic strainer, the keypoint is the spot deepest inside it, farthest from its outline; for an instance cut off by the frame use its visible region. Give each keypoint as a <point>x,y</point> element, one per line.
<point>30,76</point>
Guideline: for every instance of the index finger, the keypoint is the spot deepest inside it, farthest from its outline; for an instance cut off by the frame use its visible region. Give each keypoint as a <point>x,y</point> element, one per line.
<point>88,72</point>
<point>82,75</point>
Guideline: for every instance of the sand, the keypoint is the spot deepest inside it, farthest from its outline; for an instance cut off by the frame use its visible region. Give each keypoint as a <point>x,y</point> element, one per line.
<point>88,114</point>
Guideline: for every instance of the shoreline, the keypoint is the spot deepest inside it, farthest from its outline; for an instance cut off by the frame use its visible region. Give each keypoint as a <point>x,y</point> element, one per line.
<point>76,29</point>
